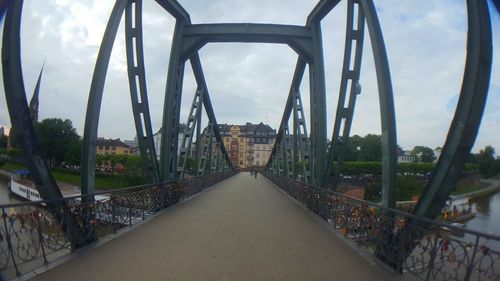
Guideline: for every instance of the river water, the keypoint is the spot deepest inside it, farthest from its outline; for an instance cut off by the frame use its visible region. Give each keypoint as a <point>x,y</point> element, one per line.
<point>5,197</point>
<point>487,210</point>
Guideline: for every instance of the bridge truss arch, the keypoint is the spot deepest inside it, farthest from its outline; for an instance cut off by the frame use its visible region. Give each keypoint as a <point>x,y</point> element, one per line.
<point>292,144</point>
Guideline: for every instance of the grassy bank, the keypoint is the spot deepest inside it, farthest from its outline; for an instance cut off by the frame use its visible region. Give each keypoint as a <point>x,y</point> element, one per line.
<point>471,184</point>
<point>103,182</point>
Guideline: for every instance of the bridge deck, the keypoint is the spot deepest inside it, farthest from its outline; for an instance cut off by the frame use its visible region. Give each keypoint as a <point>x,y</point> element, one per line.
<point>243,229</point>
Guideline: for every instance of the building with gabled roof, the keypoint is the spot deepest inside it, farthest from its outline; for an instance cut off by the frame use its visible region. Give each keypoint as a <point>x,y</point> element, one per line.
<point>112,146</point>
<point>248,145</point>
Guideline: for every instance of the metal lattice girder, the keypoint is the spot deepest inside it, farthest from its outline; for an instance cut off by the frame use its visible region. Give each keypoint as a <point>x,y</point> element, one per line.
<point>386,100</point>
<point>138,89</point>
<point>216,159</point>
<point>286,152</point>
<point>95,98</point>
<point>289,105</point>
<point>188,134</point>
<point>465,125</point>
<point>350,73</point>
<point>207,104</point>
<point>206,149</point>
<point>297,37</point>
<point>22,125</point>
<point>300,141</point>
<point>279,156</point>
<point>171,109</point>
<point>289,153</point>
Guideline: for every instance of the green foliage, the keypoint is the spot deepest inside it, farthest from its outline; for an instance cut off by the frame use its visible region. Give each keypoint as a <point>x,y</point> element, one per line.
<point>12,166</point>
<point>55,137</point>
<point>407,188</point>
<point>423,154</point>
<point>11,154</point>
<point>488,165</point>
<point>416,168</point>
<point>73,155</point>
<point>357,167</point>
<point>367,148</point>
<point>3,141</point>
<point>375,168</point>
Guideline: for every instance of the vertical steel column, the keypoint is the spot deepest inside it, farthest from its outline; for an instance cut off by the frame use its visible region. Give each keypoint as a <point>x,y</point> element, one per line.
<point>171,109</point>
<point>95,98</point>
<point>137,81</point>
<point>318,109</point>
<point>344,115</point>
<point>194,115</point>
<point>387,113</point>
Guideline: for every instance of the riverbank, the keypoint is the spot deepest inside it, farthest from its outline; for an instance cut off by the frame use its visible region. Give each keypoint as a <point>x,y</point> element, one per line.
<point>494,186</point>
<point>102,182</point>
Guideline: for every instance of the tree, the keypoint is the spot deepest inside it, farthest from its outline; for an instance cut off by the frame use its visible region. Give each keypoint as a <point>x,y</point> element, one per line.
<point>55,136</point>
<point>486,162</point>
<point>370,148</point>
<point>423,154</point>
<point>73,155</point>
<point>4,140</point>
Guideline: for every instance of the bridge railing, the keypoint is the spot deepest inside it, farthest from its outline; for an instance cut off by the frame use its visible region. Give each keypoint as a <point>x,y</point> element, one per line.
<point>31,237</point>
<point>432,250</point>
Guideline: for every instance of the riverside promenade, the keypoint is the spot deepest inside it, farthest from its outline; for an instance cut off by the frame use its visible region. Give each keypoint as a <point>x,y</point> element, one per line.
<point>241,229</point>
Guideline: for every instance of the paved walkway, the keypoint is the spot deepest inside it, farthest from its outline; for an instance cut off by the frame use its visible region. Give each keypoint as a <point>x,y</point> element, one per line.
<point>243,229</point>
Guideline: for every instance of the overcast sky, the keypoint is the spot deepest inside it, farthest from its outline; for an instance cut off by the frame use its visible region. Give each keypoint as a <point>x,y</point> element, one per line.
<point>425,41</point>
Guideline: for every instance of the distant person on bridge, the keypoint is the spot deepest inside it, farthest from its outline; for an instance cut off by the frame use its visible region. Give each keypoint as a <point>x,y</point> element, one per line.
<point>256,172</point>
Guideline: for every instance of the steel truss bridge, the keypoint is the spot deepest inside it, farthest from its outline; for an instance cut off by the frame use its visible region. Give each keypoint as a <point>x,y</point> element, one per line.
<point>294,143</point>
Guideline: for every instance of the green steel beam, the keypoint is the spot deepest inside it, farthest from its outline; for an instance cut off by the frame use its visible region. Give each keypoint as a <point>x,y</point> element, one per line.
<point>171,108</point>
<point>95,98</point>
<point>465,125</point>
<point>297,37</point>
<point>344,114</point>
<point>386,100</point>
<point>138,89</point>
<point>318,110</point>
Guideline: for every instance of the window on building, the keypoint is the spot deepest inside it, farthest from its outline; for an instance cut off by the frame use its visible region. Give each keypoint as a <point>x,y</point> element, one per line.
<point>106,148</point>
<point>258,155</point>
<point>113,148</point>
<point>258,162</point>
<point>114,153</point>
<point>241,162</point>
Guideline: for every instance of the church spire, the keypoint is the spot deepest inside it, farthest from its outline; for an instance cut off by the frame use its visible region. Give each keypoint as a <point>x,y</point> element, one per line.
<point>34,103</point>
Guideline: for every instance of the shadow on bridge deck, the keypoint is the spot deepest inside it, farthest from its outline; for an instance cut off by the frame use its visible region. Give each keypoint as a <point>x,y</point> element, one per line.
<point>243,229</point>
